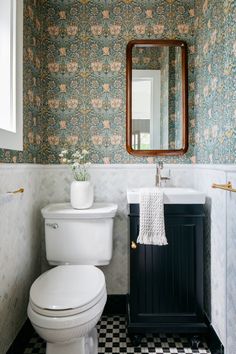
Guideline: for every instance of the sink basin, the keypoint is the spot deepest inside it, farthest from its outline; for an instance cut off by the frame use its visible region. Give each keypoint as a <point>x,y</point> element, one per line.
<point>171,196</point>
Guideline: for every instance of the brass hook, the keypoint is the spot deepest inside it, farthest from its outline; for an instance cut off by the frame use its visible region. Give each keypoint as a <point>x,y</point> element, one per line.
<point>20,190</point>
<point>227,187</point>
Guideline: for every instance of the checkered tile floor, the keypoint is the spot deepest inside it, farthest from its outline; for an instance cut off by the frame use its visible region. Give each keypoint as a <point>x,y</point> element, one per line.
<point>113,339</point>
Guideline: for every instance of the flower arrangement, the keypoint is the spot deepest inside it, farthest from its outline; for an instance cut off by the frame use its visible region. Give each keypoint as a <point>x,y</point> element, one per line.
<point>79,163</point>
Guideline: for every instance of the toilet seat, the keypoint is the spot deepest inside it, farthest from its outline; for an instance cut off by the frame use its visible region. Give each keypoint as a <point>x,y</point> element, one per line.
<point>81,319</point>
<point>67,290</point>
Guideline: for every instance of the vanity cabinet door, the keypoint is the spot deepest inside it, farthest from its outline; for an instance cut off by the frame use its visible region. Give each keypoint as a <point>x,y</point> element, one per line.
<point>166,282</point>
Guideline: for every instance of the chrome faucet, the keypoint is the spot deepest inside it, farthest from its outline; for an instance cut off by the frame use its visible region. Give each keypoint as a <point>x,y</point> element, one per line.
<point>159,177</point>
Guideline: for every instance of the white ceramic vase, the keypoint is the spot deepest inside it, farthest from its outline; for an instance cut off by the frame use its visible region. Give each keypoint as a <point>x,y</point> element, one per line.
<point>81,194</point>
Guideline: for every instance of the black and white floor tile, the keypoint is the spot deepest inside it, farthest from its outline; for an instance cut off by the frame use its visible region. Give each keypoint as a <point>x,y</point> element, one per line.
<point>113,339</point>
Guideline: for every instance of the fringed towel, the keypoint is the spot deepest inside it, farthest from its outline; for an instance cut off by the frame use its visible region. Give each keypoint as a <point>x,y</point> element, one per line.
<point>152,223</point>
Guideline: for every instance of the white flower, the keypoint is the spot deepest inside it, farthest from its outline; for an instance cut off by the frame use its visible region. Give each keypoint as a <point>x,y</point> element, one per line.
<point>78,162</point>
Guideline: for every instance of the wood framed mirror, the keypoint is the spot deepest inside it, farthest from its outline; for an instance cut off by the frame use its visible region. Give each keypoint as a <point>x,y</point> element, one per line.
<point>156,97</point>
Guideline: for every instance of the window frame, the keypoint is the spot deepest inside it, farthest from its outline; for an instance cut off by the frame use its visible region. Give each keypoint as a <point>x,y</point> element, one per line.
<point>13,140</point>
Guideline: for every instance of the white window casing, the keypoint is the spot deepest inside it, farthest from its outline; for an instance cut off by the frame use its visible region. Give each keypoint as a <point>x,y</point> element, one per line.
<point>11,73</point>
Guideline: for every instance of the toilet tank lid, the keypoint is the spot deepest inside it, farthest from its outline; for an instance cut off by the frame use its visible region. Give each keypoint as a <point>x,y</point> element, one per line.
<point>65,211</point>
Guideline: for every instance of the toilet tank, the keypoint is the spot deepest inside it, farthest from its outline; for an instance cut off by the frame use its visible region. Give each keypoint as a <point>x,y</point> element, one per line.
<point>75,236</point>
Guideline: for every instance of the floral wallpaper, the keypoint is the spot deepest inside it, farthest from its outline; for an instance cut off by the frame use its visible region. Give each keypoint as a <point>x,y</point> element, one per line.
<point>215,84</point>
<point>81,47</point>
<point>84,72</point>
<point>149,58</point>
<point>74,76</point>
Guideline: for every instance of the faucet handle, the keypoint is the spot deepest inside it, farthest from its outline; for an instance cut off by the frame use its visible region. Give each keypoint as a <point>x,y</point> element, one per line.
<point>167,177</point>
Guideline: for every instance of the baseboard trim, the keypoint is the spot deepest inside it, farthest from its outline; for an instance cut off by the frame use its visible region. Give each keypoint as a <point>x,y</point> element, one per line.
<point>22,338</point>
<point>214,343</point>
<point>116,305</point>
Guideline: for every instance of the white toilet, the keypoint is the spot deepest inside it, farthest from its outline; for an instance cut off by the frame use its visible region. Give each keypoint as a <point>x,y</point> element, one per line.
<point>67,301</point>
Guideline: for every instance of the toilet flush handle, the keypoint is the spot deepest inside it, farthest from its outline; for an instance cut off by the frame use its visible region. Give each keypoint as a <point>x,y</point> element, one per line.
<point>53,226</point>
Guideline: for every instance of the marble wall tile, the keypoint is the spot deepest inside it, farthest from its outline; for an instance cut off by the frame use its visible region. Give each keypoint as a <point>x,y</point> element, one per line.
<point>20,254</point>
<point>111,183</point>
<point>215,247</point>
<point>231,267</point>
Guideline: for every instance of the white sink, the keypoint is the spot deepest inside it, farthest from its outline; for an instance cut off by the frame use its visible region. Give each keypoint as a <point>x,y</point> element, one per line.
<point>171,196</point>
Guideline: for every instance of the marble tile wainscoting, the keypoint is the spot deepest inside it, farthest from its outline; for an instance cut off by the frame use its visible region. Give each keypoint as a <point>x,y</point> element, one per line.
<point>111,183</point>
<point>22,232</point>
<point>20,254</point>
<point>231,267</point>
<point>220,251</point>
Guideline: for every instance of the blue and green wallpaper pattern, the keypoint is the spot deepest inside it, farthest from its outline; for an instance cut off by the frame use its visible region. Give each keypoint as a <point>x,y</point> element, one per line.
<point>74,75</point>
<point>215,81</point>
<point>85,70</point>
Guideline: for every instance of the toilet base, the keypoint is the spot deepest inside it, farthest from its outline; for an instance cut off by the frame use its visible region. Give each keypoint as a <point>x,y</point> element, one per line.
<point>84,345</point>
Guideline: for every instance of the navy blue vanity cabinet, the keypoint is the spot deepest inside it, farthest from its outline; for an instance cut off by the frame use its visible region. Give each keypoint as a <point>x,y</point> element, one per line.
<point>166,282</point>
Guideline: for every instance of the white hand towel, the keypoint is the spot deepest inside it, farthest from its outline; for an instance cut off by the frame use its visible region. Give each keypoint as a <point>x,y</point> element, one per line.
<point>152,223</point>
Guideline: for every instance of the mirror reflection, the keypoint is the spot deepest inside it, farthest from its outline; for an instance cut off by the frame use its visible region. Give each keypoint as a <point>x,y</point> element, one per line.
<point>157,98</point>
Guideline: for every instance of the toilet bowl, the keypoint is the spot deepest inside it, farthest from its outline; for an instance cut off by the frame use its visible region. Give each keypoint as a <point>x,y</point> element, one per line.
<point>66,302</point>
<point>65,305</point>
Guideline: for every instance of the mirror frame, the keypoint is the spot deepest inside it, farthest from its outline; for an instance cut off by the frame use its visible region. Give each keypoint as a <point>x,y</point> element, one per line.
<point>156,43</point>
